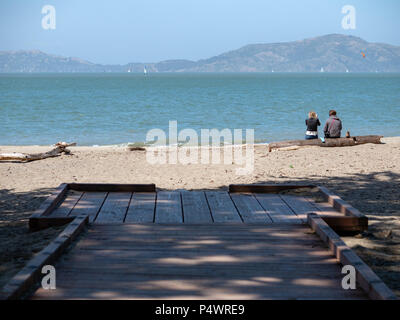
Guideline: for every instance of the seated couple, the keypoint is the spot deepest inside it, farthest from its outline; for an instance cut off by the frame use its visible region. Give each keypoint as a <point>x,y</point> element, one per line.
<point>332,128</point>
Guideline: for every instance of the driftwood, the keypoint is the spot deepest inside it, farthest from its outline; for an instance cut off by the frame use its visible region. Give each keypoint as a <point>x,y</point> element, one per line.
<point>60,147</point>
<point>135,148</point>
<point>339,142</point>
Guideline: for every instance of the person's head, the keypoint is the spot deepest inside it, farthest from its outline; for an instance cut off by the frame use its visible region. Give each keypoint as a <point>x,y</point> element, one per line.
<point>332,113</point>
<point>312,114</point>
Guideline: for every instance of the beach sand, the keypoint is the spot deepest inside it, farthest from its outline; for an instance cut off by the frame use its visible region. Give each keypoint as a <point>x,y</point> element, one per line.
<point>366,176</point>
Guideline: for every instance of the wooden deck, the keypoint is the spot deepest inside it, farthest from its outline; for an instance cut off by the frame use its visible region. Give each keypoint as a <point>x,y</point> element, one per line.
<point>251,242</point>
<point>185,261</point>
<point>189,207</point>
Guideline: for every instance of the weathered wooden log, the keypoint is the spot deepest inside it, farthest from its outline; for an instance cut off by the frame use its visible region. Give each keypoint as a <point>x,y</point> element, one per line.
<point>60,147</point>
<point>338,142</point>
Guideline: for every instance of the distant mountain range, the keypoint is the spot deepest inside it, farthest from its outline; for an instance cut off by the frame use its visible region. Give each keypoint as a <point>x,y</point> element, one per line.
<point>330,53</point>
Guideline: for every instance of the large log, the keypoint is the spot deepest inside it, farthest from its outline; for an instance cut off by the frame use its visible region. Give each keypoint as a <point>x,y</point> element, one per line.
<point>60,147</point>
<point>338,142</point>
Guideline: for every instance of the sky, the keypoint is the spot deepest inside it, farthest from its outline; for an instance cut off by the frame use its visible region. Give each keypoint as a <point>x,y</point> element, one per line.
<point>123,31</point>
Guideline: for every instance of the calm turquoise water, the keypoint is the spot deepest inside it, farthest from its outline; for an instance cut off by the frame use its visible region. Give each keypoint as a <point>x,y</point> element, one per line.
<point>102,109</point>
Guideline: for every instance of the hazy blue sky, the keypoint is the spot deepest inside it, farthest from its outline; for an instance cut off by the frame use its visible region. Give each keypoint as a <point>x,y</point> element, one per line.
<point>122,31</point>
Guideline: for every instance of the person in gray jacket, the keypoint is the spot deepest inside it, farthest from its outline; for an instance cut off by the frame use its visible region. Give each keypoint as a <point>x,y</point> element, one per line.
<point>333,126</point>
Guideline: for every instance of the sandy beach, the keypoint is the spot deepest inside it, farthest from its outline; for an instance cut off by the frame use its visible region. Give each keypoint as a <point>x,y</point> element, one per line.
<point>366,176</point>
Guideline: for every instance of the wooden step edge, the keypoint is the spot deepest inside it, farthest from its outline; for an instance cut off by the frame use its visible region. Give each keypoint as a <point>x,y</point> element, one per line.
<point>112,187</point>
<point>372,285</point>
<point>26,278</point>
<point>339,204</point>
<point>51,202</point>
<point>265,188</point>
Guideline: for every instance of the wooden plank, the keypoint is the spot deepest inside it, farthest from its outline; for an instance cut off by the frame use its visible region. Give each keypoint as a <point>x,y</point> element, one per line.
<point>299,205</point>
<point>320,266</point>
<point>287,248</point>
<point>168,207</point>
<point>151,236</point>
<point>52,201</point>
<point>112,187</point>
<point>337,220</point>
<point>142,269</point>
<point>142,229</point>
<point>325,209</point>
<point>89,204</point>
<point>48,206</point>
<point>114,208</point>
<point>264,188</point>
<point>222,207</point>
<point>67,205</point>
<point>366,278</point>
<point>277,208</point>
<point>339,204</point>
<point>347,224</point>
<point>168,270</point>
<point>47,222</point>
<point>23,281</point>
<point>145,242</point>
<point>141,208</point>
<point>250,209</point>
<point>138,253</point>
<point>177,289</point>
<point>195,207</point>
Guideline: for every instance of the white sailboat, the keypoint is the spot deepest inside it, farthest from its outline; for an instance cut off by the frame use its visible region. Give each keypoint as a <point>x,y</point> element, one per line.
<point>144,70</point>
<point>347,70</point>
<point>322,69</point>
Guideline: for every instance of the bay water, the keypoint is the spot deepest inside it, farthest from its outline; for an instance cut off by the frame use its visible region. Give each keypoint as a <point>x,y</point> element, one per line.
<point>116,109</point>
